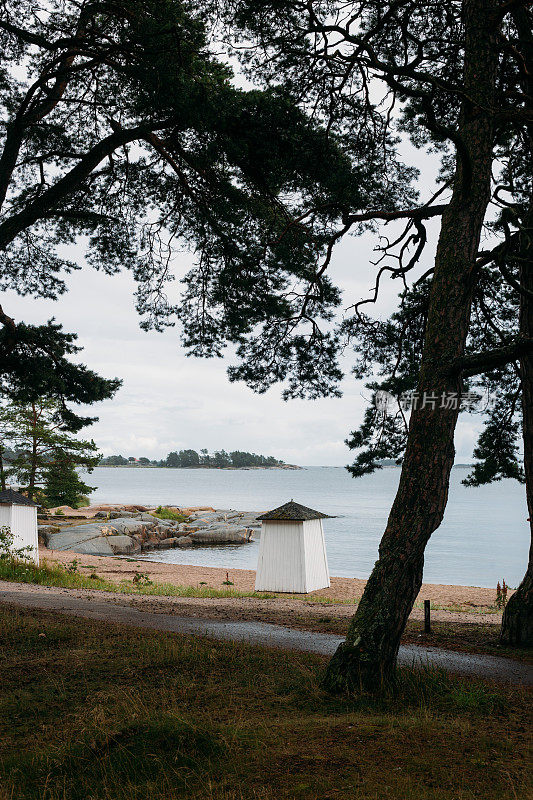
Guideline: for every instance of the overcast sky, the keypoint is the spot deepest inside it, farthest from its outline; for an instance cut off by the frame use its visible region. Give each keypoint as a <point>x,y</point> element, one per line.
<point>169,401</point>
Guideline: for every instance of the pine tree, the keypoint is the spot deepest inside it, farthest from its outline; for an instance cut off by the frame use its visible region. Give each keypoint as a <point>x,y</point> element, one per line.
<point>62,486</point>
<point>456,78</point>
<point>41,440</point>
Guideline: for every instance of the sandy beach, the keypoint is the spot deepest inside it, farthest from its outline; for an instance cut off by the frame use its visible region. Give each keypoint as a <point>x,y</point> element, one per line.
<point>464,603</point>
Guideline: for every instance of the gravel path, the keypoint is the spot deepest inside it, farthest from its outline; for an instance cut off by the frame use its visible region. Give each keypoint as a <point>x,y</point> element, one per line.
<point>113,608</point>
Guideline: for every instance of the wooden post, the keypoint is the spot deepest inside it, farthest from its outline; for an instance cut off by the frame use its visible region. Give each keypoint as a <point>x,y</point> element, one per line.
<point>427,616</point>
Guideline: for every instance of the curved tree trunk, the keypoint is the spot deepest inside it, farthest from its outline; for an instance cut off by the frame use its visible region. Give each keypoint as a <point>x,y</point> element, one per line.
<point>517,623</point>
<point>368,656</point>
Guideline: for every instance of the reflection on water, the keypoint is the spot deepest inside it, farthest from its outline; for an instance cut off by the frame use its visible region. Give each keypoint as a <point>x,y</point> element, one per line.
<point>484,536</point>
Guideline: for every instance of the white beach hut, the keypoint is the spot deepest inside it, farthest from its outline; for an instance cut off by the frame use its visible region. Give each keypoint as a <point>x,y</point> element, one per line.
<point>292,550</point>
<point>20,515</point>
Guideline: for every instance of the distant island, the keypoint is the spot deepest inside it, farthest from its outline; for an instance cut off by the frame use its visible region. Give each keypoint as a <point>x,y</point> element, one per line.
<point>190,459</point>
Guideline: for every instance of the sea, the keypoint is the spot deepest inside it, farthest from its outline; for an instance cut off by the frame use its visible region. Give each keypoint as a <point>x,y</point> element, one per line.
<point>483,539</point>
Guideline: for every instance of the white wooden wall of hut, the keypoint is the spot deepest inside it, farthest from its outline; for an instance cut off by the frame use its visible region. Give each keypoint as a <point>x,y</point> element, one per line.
<point>23,523</point>
<point>292,557</point>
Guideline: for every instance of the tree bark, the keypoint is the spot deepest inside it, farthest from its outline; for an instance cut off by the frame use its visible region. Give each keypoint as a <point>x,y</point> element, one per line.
<point>367,658</point>
<point>517,622</point>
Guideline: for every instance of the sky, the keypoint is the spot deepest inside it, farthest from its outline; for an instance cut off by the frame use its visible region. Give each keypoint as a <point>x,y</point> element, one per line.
<point>169,401</point>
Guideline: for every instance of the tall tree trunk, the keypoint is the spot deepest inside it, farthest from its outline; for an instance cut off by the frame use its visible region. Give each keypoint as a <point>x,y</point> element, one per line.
<point>368,656</point>
<point>517,623</point>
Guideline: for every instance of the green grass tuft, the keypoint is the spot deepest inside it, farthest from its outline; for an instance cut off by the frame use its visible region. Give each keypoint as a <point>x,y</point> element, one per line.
<point>162,512</point>
<point>70,578</point>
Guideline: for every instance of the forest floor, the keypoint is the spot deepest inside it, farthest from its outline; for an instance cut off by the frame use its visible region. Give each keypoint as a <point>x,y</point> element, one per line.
<point>91,709</point>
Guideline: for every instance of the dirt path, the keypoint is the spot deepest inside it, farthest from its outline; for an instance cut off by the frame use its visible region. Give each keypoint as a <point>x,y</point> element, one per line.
<point>114,608</point>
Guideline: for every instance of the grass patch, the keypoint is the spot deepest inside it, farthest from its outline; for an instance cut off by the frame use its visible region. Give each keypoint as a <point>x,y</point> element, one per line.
<point>70,578</point>
<point>162,512</point>
<point>93,710</point>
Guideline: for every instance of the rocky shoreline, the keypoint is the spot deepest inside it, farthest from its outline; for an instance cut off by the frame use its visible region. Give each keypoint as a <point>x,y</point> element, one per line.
<point>125,530</point>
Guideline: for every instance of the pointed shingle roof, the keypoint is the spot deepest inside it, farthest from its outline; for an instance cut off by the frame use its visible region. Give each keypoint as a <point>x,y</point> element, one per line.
<point>294,512</point>
<point>10,497</point>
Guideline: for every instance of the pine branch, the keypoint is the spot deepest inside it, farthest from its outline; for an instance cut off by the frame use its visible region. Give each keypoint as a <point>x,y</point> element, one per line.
<point>422,212</point>
<point>36,210</point>
<point>479,363</point>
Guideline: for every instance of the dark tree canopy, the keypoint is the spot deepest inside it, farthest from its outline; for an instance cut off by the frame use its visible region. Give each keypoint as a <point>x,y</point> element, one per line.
<point>127,131</point>
<point>373,71</point>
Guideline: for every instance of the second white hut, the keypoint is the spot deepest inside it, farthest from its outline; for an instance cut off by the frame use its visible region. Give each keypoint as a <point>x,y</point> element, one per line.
<point>292,550</point>
<point>20,515</point>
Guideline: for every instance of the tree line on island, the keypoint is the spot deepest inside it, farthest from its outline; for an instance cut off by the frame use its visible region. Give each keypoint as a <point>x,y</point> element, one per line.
<point>40,452</point>
<point>263,184</point>
<point>220,459</point>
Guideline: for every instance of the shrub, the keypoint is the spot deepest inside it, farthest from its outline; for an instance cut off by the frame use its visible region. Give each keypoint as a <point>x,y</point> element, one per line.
<point>501,594</point>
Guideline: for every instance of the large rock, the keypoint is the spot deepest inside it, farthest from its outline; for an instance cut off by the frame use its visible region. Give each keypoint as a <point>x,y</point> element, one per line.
<point>123,545</point>
<point>130,526</point>
<point>98,546</point>
<point>75,537</point>
<point>219,536</point>
<point>69,538</point>
<point>204,516</point>
<point>166,544</point>
<point>121,514</point>
<point>45,531</point>
<point>163,532</point>
<point>165,523</point>
<point>184,541</point>
<point>145,517</point>
<point>109,546</point>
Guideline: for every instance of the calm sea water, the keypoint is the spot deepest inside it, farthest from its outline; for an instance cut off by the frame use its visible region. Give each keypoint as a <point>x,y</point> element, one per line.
<point>484,536</point>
